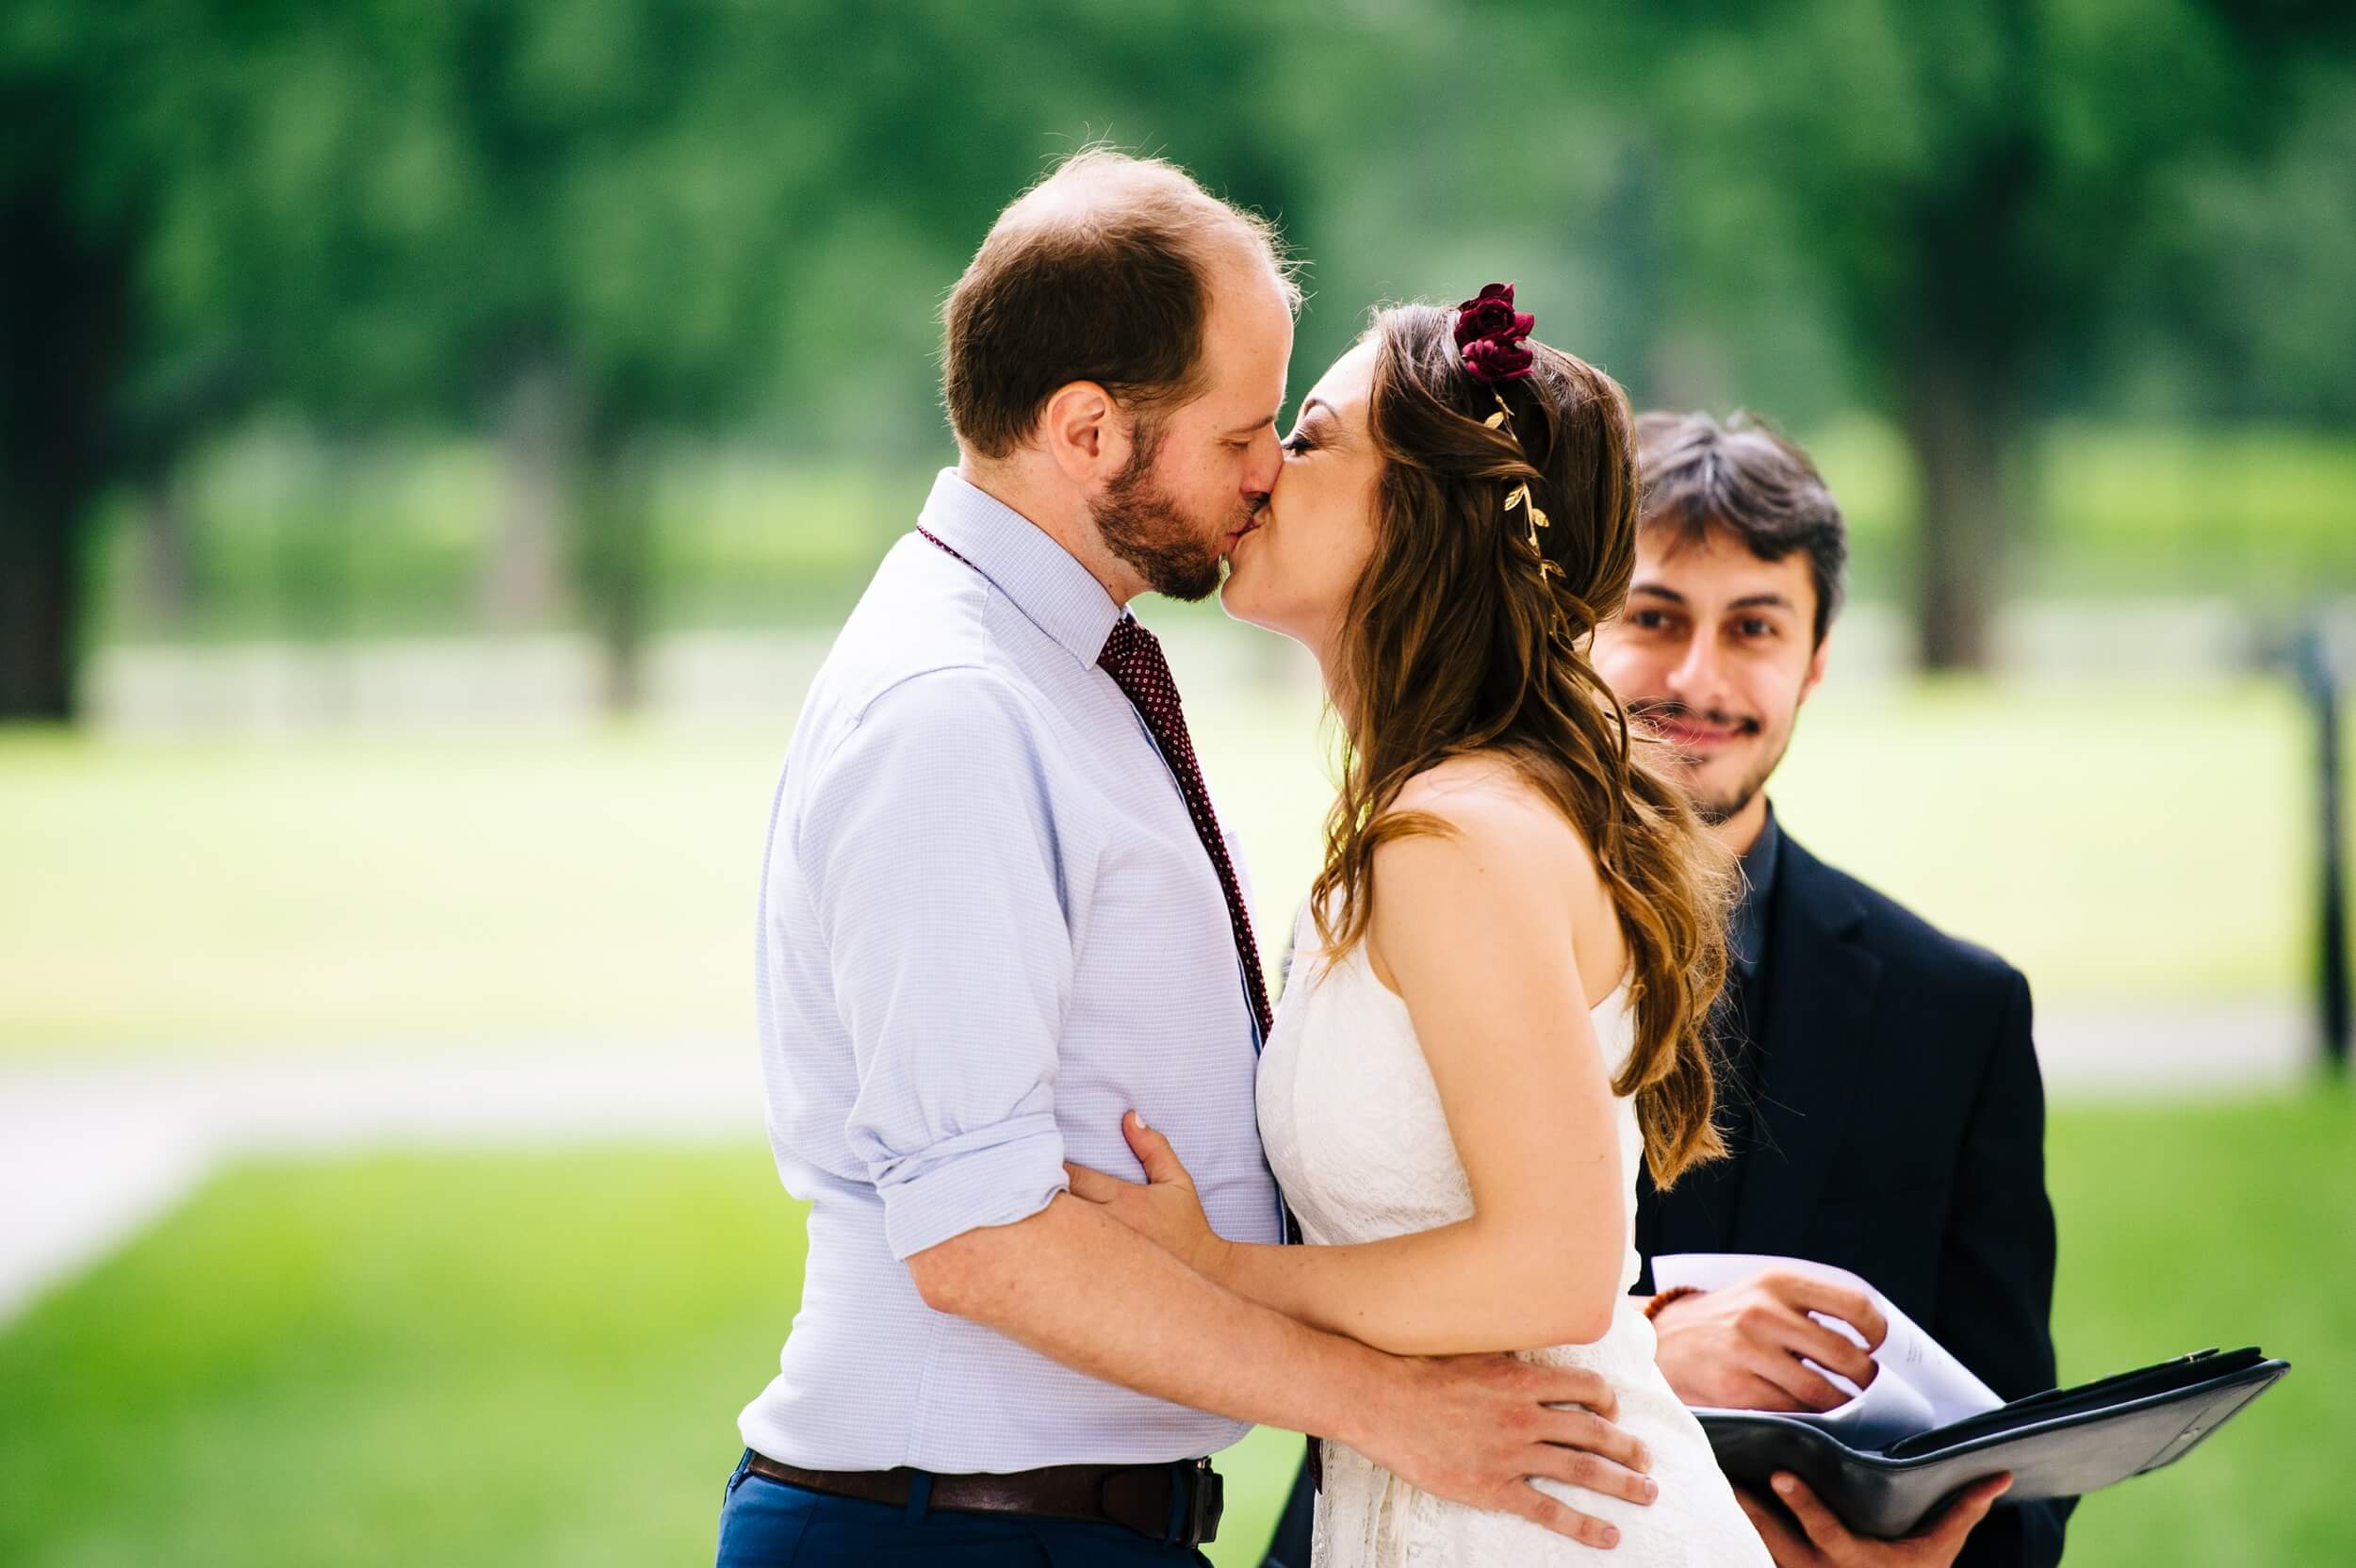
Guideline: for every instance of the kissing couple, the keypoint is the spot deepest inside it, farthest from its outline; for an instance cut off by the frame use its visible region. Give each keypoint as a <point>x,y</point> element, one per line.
<point>1083,1207</point>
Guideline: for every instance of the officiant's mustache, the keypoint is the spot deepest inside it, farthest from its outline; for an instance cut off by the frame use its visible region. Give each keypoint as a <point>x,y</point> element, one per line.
<point>1650,709</point>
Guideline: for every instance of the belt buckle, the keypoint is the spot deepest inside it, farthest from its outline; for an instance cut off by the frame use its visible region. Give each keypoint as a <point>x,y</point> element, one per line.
<point>1206,1501</point>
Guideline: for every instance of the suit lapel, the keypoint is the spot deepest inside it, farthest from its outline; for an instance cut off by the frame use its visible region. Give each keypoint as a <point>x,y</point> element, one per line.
<point>1819,1000</point>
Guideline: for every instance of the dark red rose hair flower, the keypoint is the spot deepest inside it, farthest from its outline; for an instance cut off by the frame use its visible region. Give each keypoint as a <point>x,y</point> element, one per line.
<point>1489,330</point>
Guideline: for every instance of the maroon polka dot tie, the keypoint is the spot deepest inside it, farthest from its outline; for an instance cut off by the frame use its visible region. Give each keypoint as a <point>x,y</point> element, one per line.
<point>1132,657</point>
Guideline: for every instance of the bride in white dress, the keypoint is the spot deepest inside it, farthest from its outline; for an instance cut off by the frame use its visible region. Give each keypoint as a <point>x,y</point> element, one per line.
<point>1516,937</point>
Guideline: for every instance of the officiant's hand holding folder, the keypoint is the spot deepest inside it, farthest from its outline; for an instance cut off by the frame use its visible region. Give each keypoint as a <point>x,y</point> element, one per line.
<point>1925,1427</point>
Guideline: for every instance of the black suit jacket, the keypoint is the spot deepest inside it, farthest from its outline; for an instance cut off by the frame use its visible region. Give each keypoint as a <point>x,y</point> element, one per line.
<point>1901,1135</point>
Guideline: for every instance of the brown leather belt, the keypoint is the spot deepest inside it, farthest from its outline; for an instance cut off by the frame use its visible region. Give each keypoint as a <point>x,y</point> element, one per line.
<point>1179,1503</point>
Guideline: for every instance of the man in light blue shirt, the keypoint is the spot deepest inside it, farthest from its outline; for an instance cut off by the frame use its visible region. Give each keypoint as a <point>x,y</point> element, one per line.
<point>998,914</point>
<point>990,931</point>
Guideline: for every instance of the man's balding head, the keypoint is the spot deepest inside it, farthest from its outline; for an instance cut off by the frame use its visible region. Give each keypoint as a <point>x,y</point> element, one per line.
<point>1103,272</point>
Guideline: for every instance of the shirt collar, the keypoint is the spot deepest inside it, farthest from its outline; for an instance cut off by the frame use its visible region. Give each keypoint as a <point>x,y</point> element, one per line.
<point>1038,576</point>
<point>1749,933</point>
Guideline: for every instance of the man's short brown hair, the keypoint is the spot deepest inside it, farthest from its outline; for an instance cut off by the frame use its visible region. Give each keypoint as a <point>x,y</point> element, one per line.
<point>1098,272</point>
<point>1744,477</point>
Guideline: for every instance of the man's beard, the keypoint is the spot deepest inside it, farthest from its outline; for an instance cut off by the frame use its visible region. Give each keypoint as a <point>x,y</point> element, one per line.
<point>1715,809</point>
<point>1144,528</point>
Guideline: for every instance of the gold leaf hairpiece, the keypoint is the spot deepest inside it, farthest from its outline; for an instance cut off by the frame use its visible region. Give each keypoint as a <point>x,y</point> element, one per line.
<point>1532,514</point>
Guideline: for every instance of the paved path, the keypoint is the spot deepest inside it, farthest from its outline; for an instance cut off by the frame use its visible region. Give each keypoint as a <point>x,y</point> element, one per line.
<point>90,1154</point>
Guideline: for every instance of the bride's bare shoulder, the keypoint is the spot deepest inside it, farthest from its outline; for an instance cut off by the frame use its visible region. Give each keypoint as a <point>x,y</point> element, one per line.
<point>1506,869</point>
<point>1507,866</point>
<point>1486,801</point>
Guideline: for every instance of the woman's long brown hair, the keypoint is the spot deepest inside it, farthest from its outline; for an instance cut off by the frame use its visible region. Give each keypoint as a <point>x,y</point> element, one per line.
<point>1457,643</point>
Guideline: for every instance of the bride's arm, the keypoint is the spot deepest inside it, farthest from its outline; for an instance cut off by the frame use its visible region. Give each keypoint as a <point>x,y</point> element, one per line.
<point>1475,928</point>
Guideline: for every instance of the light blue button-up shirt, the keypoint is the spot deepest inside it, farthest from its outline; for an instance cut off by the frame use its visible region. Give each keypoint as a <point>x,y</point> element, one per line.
<point>987,930</point>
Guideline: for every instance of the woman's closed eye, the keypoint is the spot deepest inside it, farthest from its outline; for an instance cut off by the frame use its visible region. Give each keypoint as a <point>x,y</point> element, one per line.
<point>1297,442</point>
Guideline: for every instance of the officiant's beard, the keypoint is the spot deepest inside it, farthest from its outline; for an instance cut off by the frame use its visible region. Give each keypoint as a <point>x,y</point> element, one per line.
<point>1717,809</point>
<point>1177,555</point>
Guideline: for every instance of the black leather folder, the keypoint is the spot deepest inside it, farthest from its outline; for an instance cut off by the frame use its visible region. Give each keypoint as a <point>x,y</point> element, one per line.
<point>2062,1443</point>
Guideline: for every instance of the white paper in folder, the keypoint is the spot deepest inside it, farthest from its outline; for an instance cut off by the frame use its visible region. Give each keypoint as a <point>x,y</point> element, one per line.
<point>1920,1385</point>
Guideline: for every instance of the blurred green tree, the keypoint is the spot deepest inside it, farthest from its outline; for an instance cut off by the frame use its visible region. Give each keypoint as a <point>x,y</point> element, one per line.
<point>67,251</point>
<point>594,225</point>
<point>1970,181</point>
<point>593,220</point>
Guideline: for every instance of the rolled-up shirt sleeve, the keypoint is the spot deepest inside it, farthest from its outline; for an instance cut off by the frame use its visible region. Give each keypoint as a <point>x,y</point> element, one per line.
<point>933,864</point>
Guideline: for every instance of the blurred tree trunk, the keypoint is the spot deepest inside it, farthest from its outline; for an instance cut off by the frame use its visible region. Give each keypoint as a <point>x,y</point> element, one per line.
<point>537,436</point>
<point>614,552</point>
<point>1967,324</point>
<point>167,553</point>
<point>64,313</point>
<point>1960,429</point>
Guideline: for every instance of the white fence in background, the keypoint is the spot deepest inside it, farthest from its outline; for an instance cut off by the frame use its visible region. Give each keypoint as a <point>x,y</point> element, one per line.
<point>555,678</point>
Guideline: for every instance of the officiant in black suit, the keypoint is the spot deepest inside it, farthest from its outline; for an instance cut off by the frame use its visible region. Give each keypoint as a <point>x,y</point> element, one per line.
<point>1880,1091</point>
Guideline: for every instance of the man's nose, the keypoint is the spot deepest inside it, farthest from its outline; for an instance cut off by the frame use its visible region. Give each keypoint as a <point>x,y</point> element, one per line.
<point>1698,679</point>
<point>1263,464</point>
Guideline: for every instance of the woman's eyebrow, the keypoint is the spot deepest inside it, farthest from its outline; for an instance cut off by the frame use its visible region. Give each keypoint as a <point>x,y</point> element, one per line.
<point>1317,409</point>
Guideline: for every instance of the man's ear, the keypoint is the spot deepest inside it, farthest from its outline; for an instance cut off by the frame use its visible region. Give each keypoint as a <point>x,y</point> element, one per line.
<point>1816,666</point>
<point>1085,433</point>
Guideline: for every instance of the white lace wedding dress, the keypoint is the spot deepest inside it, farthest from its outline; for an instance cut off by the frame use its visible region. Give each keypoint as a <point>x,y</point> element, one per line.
<point>1354,1132</point>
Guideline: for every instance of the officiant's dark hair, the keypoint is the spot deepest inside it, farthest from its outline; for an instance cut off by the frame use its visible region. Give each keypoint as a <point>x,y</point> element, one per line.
<point>1099,272</point>
<point>1457,640</point>
<point>1744,477</point>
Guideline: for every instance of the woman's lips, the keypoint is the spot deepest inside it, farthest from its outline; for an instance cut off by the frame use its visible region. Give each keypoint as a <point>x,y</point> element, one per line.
<point>1238,536</point>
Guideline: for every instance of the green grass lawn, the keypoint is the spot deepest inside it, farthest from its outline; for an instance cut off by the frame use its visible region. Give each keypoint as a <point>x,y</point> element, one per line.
<point>335,889</point>
<point>538,1359</point>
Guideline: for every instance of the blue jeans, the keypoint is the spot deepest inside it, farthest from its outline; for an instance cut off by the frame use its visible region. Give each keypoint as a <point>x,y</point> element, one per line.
<point>767,1524</point>
<point>1294,1527</point>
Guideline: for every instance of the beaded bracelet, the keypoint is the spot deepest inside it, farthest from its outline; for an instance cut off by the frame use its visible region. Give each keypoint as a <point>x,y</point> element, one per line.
<point>1674,1293</point>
